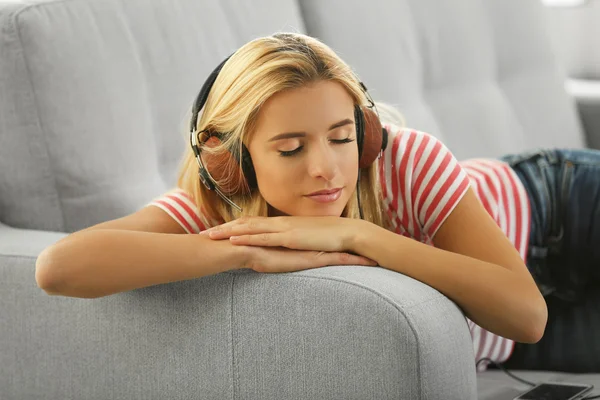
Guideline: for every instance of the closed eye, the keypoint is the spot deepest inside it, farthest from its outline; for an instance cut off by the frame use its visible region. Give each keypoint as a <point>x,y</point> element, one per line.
<point>297,150</point>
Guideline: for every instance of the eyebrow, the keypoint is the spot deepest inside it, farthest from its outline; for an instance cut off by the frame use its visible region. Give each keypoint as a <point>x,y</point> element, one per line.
<point>289,135</point>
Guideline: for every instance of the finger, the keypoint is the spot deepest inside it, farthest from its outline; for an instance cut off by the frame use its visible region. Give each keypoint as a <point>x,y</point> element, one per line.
<point>225,227</point>
<point>262,239</point>
<point>366,260</point>
<point>350,259</point>
<point>370,262</point>
<point>249,226</point>
<point>217,228</point>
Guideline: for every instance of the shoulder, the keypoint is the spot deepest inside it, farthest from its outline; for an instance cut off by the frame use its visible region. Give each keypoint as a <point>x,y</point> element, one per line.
<point>410,149</point>
<point>183,208</point>
<point>406,141</point>
<point>403,133</point>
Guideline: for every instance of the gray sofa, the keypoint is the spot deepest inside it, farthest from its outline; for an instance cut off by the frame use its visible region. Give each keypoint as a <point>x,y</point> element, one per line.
<point>94,96</point>
<point>575,32</point>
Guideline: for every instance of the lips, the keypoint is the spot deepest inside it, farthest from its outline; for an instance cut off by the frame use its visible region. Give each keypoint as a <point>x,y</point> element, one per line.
<point>325,192</point>
<point>326,196</point>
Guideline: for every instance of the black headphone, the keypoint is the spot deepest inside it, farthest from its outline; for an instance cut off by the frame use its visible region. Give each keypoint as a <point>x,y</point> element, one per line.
<point>371,139</point>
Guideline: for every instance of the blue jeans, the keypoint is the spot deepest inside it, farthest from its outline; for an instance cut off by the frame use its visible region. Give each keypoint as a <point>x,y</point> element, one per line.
<point>563,186</point>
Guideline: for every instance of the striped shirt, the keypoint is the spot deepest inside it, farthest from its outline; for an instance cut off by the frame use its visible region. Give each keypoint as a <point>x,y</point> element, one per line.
<point>422,182</point>
<point>181,206</point>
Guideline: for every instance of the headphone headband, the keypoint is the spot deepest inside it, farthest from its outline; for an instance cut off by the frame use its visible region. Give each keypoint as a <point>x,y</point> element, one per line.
<point>203,95</point>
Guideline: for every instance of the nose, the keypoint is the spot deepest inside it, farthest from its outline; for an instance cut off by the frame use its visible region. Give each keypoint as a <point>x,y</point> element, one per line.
<point>322,162</point>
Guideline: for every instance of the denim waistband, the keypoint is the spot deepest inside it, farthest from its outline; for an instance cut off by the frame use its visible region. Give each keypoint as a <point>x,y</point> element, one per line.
<point>563,187</point>
<point>546,176</point>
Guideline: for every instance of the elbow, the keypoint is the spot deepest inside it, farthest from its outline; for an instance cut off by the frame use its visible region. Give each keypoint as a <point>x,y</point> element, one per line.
<point>45,273</point>
<point>48,276</point>
<point>537,322</point>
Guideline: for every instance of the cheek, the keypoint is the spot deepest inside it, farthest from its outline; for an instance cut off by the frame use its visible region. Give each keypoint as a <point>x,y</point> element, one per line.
<point>273,180</point>
<point>349,168</point>
<point>350,160</point>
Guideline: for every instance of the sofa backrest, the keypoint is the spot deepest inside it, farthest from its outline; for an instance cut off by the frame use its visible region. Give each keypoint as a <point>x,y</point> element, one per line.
<point>95,94</point>
<point>481,75</point>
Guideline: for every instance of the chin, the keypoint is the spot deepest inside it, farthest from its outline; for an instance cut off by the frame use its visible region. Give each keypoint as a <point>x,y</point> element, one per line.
<point>335,209</point>
<point>326,214</point>
<point>332,210</point>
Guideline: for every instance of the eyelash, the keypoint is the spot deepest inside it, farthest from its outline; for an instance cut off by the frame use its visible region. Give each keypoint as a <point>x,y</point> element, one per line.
<point>292,152</point>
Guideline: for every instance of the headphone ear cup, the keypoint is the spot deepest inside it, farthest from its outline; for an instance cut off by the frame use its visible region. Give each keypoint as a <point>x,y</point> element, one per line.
<point>374,140</point>
<point>224,167</point>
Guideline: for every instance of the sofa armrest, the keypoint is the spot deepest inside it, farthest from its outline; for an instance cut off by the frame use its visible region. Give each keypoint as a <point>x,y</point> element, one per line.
<point>26,243</point>
<point>331,332</point>
<point>587,97</point>
<point>19,249</point>
<point>22,336</point>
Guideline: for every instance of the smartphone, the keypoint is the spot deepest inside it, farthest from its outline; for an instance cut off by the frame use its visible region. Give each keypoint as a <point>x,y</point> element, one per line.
<point>555,391</point>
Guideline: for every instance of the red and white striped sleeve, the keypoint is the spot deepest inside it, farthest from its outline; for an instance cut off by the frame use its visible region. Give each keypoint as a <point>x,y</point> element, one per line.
<point>181,207</point>
<point>504,197</point>
<point>430,182</point>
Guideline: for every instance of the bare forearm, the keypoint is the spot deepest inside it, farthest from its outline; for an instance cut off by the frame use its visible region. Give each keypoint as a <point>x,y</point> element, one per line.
<point>478,287</point>
<point>101,262</point>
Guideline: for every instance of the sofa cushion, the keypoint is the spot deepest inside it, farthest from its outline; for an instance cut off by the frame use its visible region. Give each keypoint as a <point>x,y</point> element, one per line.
<point>94,98</point>
<point>480,76</point>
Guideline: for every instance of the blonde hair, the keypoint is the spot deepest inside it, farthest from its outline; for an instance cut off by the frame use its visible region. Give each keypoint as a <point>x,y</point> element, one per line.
<point>253,74</point>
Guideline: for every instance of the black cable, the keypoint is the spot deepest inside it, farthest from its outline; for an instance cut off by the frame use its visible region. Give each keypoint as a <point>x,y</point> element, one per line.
<point>504,369</point>
<point>520,379</point>
<point>358,195</point>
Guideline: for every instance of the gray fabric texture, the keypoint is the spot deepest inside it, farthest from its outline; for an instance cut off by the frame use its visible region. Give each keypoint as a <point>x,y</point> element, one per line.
<point>333,332</point>
<point>586,93</point>
<point>95,95</point>
<point>576,37</point>
<point>479,75</point>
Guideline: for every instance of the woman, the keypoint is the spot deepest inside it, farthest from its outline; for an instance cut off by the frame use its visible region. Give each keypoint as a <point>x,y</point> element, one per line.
<point>294,112</point>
